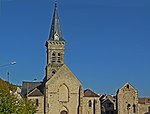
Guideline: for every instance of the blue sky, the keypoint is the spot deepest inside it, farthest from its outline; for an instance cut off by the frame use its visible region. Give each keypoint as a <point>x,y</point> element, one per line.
<point>108,41</point>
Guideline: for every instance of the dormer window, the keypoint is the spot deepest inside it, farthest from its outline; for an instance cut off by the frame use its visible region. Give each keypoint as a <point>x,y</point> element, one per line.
<point>53,57</point>
<point>59,58</point>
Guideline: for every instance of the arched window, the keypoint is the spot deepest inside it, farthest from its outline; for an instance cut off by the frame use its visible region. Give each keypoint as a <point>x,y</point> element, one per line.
<point>63,93</point>
<point>128,107</point>
<point>59,58</point>
<point>134,108</point>
<point>53,57</point>
<point>64,112</point>
<point>128,86</point>
<point>53,72</point>
<point>90,103</point>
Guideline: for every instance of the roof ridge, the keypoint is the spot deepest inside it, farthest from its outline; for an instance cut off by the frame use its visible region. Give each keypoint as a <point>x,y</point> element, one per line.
<point>90,93</point>
<point>34,90</point>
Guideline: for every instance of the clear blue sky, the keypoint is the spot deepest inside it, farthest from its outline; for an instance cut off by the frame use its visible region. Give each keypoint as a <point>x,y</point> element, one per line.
<point>108,41</point>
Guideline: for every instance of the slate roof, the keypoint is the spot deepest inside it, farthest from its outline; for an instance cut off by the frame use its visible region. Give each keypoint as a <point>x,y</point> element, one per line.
<point>27,87</point>
<point>55,27</point>
<point>89,93</point>
<point>35,92</point>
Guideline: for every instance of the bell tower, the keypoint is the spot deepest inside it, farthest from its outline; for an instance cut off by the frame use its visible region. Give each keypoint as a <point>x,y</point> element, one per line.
<point>55,46</point>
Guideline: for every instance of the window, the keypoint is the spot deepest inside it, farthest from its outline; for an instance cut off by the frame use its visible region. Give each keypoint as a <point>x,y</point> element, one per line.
<point>37,102</point>
<point>90,103</point>
<point>64,112</point>
<point>128,86</point>
<point>128,107</point>
<point>53,57</point>
<point>134,108</point>
<point>59,59</point>
<point>63,93</point>
<point>53,72</point>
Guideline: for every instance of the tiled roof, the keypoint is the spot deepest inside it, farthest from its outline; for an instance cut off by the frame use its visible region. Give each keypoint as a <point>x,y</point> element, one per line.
<point>89,93</point>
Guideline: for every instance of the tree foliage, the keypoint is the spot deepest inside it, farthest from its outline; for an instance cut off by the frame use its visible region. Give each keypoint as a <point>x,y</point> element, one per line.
<point>26,106</point>
<point>10,104</point>
<point>7,86</point>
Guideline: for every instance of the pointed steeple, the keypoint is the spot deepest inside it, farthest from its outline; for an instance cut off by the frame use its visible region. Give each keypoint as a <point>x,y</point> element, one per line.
<point>55,32</point>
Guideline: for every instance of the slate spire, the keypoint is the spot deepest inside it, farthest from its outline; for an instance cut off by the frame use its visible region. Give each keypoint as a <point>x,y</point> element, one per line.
<point>55,32</point>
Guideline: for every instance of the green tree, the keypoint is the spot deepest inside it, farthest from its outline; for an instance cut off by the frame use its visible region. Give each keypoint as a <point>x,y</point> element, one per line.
<point>10,104</point>
<point>26,107</point>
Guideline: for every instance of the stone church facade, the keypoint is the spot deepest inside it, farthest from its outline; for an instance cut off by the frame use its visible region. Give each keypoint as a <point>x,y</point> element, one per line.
<point>61,92</point>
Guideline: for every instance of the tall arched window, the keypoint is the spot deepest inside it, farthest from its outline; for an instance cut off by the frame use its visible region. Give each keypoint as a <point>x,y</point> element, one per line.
<point>59,58</point>
<point>134,108</point>
<point>53,57</point>
<point>63,93</point>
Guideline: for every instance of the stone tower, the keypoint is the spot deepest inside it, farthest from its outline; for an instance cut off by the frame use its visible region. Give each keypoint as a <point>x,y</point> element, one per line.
<point>55,47</point>
<point>63,92</point>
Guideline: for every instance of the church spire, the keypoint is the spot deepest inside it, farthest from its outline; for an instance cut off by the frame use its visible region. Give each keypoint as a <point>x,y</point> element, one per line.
<point>55,32</point>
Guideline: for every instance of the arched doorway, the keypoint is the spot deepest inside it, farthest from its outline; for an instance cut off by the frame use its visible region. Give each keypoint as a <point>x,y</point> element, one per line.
<point>64,112</point>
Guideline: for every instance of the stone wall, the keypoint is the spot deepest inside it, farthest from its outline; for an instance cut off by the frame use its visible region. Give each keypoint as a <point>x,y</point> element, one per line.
<point>63,92</point>
<point>127,100</point>
<point>39,101</point>
<point>91,105</point>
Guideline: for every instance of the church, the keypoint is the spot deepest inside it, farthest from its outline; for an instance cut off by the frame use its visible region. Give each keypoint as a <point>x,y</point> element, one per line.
<point>61,92</point>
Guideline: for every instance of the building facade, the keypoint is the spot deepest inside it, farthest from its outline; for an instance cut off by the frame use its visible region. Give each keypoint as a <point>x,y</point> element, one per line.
<point>61,92</point>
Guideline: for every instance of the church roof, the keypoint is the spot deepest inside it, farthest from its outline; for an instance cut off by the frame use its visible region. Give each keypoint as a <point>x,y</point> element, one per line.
<point>35,92</point>
<point>27,87</point>
<point>56,32</point>
<point>89,93</point>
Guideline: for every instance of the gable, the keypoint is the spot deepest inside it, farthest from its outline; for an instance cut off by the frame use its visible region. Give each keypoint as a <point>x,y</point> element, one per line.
<point>89,93</point>
<point>127,87</point>
<point>27,87</point>
<point>109,98</point>
<point>63,76</point>
<point>35,92</point>
<point>64,71</point>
